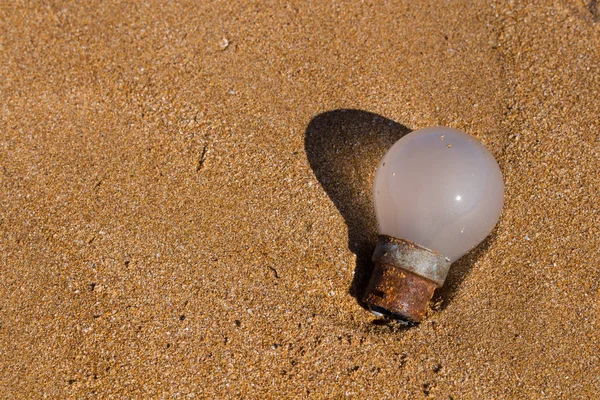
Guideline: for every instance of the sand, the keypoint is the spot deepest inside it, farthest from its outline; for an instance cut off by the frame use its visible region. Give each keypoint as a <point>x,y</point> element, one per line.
<point>185,198</point>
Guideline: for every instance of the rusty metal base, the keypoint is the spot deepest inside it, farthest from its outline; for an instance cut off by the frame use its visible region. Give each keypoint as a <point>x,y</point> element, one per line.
<point>398,293</point>
<point>404,279</point>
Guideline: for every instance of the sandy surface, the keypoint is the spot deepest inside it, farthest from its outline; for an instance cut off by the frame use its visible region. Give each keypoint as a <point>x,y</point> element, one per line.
<point>185,208</point>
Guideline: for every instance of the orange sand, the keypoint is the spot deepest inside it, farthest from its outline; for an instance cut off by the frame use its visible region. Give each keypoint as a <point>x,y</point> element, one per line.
<point>183,215</point>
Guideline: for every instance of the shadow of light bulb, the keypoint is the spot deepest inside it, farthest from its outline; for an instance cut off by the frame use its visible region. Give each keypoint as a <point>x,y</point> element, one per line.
<point>344,148</point>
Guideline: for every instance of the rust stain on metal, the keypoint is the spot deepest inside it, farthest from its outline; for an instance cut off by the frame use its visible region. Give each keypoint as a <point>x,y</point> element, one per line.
<point>404,278</point>
<point>412,257</point>
<point>401,293</point>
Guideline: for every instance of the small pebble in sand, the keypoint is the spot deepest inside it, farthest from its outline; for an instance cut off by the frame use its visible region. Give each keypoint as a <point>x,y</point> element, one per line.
<point>224,44</point>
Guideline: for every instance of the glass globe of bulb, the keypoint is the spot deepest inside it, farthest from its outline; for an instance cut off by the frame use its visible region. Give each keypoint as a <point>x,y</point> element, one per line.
<point>438,189</point>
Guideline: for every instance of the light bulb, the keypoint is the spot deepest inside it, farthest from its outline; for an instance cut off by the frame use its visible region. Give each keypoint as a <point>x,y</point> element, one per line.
<point>438,193</point>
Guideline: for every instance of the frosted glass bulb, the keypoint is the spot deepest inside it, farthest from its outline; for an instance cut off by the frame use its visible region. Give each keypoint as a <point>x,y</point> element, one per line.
<point>438,190</point>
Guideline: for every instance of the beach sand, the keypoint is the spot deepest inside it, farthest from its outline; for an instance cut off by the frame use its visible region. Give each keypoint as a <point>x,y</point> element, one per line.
<point>186,210</point>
